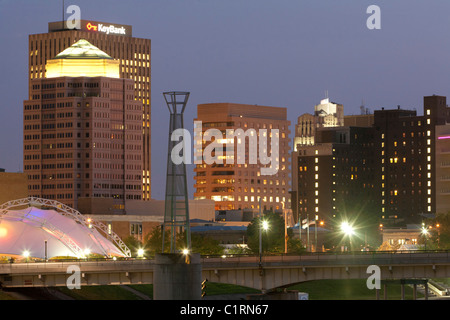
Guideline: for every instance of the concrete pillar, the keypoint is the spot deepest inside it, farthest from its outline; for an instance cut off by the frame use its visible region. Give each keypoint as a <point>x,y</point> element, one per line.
<point>402,291</point>
<point>177,277</point>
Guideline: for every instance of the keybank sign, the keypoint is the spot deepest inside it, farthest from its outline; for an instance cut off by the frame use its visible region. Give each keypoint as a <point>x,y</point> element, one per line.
<point>111,29</point>
<point>74,22</point>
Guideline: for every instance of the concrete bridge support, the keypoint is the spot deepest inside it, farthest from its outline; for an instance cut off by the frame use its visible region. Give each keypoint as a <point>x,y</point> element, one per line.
<point>177,277</point>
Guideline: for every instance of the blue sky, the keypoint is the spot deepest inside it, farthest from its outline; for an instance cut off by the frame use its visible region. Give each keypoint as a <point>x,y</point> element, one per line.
<point>284,53</point>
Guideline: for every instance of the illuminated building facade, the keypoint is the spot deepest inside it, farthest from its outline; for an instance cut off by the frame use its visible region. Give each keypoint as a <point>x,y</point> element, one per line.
<point>239,186</point>
<point>83,132</point>
<point>117,41</point>
<point>326,114</point>
<point>402,162</point>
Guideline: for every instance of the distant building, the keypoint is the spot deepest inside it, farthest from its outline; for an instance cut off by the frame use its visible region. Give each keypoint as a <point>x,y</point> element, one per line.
<point>397,237</point>
<point>13,186</point>
<point>234,185</point>
<point>141,217</point>
<point>326,114</point>
<point>392,165</point>
<point>442,165</point>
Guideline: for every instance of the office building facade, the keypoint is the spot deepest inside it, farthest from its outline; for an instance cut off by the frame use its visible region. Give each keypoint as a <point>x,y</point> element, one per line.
<point>83,132</point>
<point>238,182</point>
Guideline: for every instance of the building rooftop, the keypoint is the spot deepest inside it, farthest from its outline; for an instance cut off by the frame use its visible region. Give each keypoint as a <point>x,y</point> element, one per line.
<point>83,49</point>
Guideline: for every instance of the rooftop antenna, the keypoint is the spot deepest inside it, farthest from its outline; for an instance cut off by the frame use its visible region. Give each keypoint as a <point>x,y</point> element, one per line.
<point>62,21</point>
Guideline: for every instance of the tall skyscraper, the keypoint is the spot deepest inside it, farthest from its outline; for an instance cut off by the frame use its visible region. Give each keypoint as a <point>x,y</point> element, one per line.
<point>237,183</point>
<point>117,41</point>
<point>83,130</point>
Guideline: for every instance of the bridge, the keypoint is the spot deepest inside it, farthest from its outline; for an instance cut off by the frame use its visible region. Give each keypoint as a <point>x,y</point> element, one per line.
<point>273,272</point>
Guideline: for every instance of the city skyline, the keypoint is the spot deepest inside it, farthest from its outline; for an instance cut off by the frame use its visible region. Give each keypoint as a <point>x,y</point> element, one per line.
<point>266,53</point>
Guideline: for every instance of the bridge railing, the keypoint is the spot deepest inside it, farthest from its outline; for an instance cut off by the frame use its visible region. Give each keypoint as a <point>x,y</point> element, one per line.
<point>357,257</point>
<point>85,265</point>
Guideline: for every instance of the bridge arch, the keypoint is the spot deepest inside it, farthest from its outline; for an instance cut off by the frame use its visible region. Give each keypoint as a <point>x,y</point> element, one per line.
<point>284,271</point>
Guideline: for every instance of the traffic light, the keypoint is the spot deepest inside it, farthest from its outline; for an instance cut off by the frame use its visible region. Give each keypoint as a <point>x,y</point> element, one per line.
<point>204,287</point>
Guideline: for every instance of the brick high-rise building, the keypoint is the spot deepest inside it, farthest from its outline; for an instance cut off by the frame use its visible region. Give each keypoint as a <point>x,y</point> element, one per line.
<point>239,185</point>
<point>408,162</point>
<point>83,130</point>
<point>134,58</point>
<point>334,178</point>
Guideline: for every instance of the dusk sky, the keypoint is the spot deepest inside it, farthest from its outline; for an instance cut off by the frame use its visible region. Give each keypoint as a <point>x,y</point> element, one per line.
<point>283,53</point>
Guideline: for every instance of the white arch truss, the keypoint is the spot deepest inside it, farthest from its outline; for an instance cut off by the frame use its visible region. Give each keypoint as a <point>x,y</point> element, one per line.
<point>90,225</point>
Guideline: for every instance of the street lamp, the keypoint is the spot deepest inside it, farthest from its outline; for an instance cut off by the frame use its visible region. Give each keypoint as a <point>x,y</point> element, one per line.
<point>26,254</point>
<point>263,224</point>
<point>185,252</point>
<point>140,253</point>
<point>348,230</point>
<point>425,234</point>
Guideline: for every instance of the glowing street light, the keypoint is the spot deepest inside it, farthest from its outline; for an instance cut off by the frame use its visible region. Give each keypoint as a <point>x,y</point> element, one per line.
<point>185,252</point>
<point>347,228</point>
<point>140,252</point>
